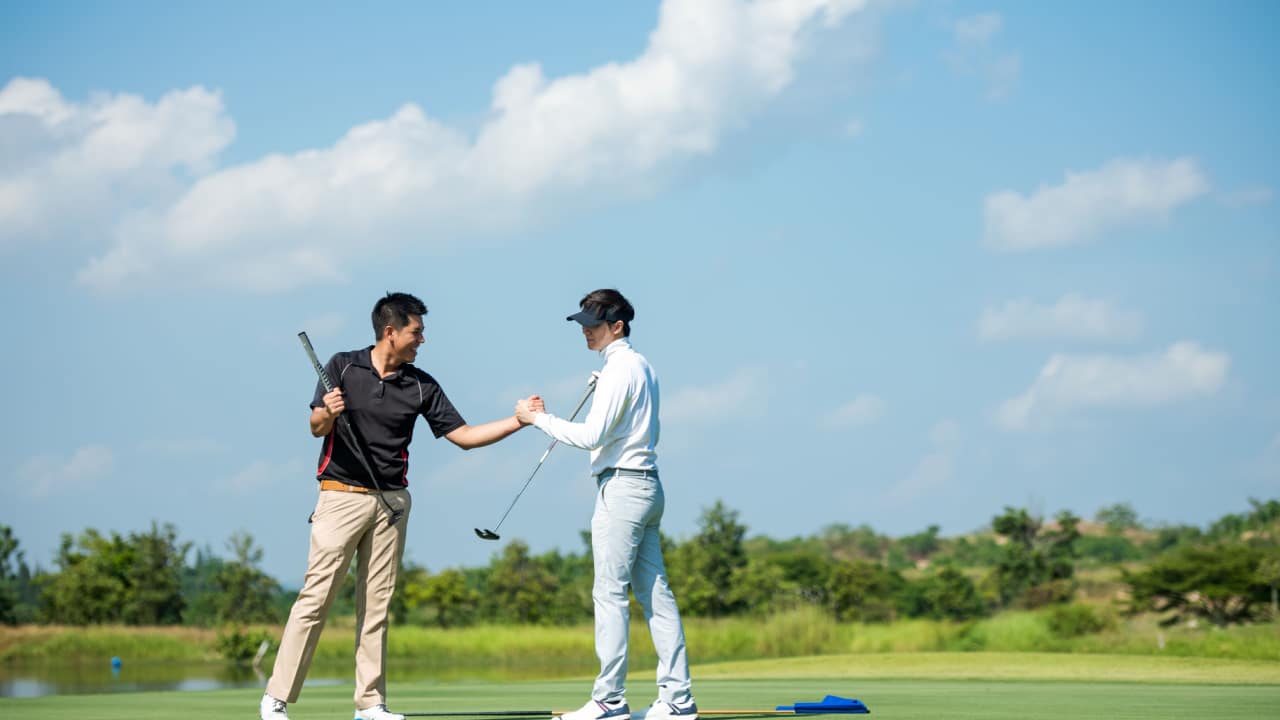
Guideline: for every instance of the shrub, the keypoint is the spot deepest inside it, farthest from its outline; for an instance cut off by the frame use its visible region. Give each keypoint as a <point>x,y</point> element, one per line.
<point>1075,620</point>
<point>238,645</point>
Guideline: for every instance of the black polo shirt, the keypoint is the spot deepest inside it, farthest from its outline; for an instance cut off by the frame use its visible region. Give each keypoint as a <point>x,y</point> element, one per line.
<point>383,411</point>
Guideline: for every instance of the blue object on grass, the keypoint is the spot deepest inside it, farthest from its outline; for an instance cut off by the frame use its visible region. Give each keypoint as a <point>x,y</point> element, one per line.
<point>830,704</point>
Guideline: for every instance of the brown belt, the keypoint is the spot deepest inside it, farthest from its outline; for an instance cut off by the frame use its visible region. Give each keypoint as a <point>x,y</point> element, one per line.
<point>342,487</point>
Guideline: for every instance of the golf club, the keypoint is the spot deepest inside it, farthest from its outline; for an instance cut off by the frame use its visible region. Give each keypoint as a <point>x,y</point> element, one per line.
<point>556,712</point>
<point>345,423</point>
<point>829,705</point>
<point>493,534</point>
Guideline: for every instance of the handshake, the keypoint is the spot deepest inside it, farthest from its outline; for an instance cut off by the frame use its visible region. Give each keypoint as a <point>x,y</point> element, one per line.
<point>528,408</point>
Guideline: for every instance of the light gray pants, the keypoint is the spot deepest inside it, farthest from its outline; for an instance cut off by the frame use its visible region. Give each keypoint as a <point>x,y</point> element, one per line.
<point>628,553</point>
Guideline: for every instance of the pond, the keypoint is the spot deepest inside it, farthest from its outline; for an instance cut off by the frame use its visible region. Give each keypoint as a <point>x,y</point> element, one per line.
<point>70,679</point>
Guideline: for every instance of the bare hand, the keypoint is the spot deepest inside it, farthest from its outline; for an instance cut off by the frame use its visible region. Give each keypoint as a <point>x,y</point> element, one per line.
<point>528,408</point>
<point>334,402</point>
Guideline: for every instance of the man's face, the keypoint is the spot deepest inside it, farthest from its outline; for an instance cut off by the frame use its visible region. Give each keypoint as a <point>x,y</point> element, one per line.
<point>599,336</point>
<point>405,341</point>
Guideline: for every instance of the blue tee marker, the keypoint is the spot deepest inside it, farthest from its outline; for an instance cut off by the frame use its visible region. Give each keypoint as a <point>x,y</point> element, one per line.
<point>831,704</point>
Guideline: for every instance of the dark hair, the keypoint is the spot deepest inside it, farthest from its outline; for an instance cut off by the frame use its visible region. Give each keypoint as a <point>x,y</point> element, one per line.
<point>609,304</point>
<point>394,310</point>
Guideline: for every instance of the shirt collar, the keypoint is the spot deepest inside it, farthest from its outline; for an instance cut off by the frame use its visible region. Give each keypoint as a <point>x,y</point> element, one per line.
<point>364,358</point>
<point>621,343</point>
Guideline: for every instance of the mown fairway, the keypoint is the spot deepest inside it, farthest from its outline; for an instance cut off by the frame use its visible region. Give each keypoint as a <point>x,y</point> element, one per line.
<point>939,689</point>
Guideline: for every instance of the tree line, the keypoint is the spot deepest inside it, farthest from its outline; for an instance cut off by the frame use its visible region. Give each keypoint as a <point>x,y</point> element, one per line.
<point>1225,574</point>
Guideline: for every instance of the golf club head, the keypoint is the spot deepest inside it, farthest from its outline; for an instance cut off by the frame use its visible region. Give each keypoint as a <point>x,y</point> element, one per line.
<point>486,534</point>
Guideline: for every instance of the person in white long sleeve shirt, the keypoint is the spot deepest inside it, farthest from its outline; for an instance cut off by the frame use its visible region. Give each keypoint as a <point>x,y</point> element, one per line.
<point>621,431</point>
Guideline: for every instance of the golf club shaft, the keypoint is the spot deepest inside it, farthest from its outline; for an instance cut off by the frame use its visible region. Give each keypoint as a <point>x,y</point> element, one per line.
<point>343,422</point>
<point>591,386</point>
<point>489,712</point>
<point>553,712</point>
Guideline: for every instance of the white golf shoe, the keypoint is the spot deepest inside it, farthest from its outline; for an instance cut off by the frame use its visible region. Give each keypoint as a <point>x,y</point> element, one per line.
<point>663,710</point>
<point>272,709</point>
<point>377,712</point>
<point>597,710</point>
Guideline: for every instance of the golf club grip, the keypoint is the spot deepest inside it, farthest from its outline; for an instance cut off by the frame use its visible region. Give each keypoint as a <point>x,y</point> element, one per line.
<point>343,422</point>
<point>591,387</point>
<point>315,361</point>
<point>328,388</point>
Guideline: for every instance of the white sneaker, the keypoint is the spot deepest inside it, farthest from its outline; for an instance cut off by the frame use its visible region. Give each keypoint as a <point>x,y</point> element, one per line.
<point>272,709</point>
<point>596,710</point>
<point>663,710</point>
<point>377,712</point>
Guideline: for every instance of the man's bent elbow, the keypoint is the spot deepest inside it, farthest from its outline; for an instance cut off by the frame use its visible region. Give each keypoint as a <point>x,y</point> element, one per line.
<point>462,438</point>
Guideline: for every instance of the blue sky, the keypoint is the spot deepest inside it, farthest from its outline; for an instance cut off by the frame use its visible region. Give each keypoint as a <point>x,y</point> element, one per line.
<point>896,263</point>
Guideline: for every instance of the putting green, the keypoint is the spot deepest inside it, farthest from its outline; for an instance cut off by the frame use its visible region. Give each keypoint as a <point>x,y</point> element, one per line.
<point>1182,694</point>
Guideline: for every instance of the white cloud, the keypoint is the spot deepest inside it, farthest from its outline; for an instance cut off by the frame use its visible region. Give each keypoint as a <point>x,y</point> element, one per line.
<point>1002,75</point>
<point>561,395</point>
<point>1074,382</point>
<point>66,166</point>
<point>619,128</point>
<point>977,30</point>
<point>45,474</point>
<point>1249,197</point>
<point>935,469</point>
<point>1072,316</point>
<point>1123,191</point>
<point>493,473</point>
<point>862,410</point>
<point>741,393</point>
<point>182,447</point>
<point>1269,464</point>
<point>973,54</point>
<point>261,474</point>
<point>853,128</point>
<point>325,325</point>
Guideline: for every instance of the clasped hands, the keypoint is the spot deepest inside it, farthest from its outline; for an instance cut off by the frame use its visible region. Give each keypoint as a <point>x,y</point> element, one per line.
<point>528,408</point>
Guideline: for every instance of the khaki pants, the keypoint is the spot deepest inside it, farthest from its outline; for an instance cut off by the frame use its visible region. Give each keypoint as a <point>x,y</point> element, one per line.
<point>345,524</point>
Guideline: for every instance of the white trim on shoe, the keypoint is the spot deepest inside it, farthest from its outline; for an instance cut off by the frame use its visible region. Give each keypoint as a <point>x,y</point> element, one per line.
<point>377,712</point>
<point>598,710</point>
<point>663,710</point>
<point>270,708</point>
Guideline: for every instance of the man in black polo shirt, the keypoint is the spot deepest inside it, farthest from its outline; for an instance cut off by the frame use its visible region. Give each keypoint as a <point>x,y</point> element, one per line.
<point>382,395</point>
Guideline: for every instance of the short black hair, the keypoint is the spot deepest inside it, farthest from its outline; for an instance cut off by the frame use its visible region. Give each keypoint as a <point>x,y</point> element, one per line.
<point>394,310</point>
<point>611,306</point>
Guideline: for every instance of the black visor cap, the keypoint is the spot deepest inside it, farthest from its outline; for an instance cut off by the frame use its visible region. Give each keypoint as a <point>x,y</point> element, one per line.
<point>591,318</point>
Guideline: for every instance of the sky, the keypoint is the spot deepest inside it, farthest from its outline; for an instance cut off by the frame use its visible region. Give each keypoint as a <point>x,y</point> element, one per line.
<point>895,263</point>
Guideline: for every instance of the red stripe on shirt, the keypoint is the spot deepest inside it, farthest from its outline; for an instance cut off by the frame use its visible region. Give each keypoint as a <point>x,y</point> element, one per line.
<point>328,453</point>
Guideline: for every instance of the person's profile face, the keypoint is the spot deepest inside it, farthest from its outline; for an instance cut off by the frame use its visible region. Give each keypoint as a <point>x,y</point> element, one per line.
<point>599,336</point>
<point>406,340</point>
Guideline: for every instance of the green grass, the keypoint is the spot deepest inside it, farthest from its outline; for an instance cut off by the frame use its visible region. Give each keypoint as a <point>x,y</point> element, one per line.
<point>1008,666</point>
<point>799,633</point>
<point>36,644</point>
<point>930,685</point>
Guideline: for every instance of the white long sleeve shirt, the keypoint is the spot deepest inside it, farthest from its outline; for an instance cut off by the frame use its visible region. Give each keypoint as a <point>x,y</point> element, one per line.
<point>621,428</point>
